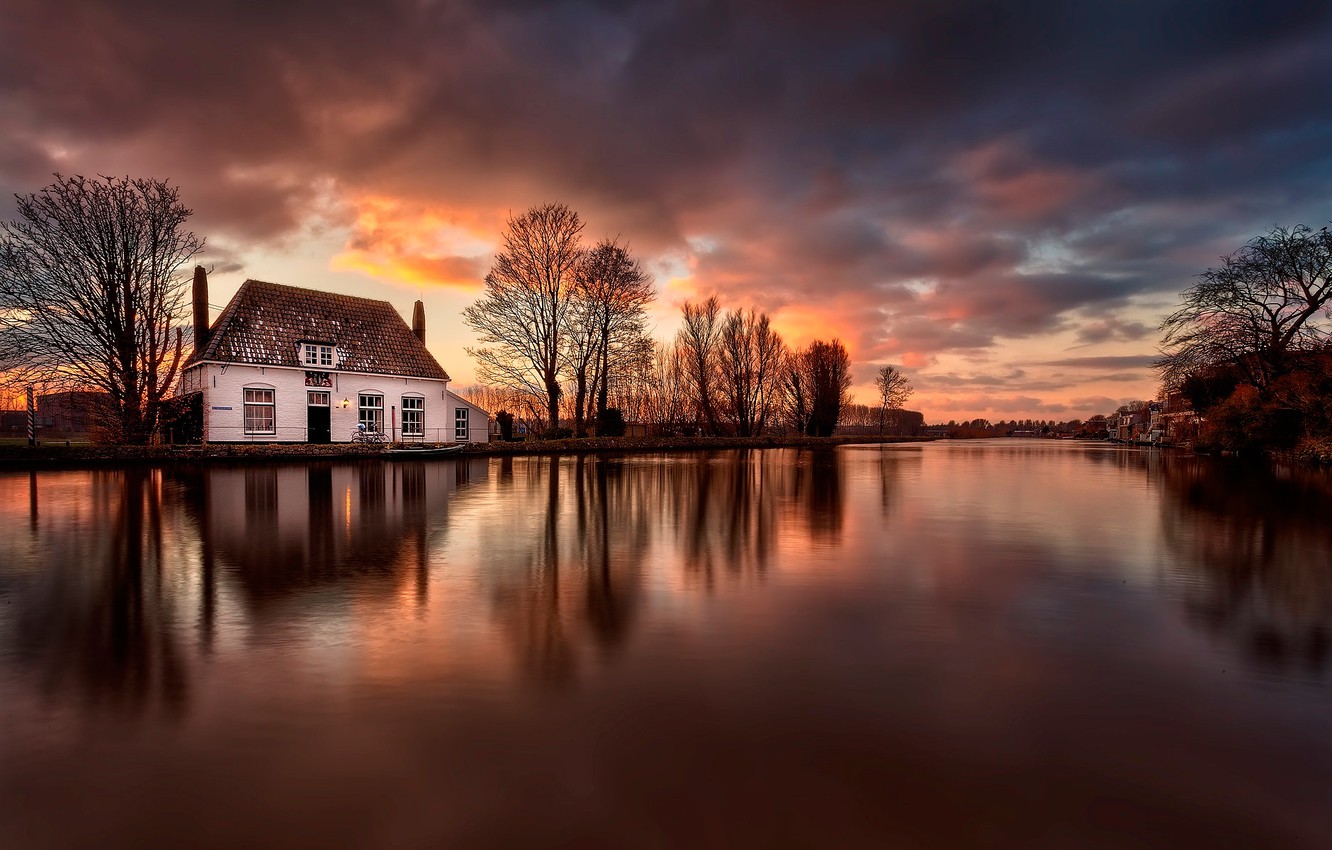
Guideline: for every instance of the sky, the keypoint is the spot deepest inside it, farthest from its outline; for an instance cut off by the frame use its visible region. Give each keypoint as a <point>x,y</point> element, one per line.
<point>1004,198</point>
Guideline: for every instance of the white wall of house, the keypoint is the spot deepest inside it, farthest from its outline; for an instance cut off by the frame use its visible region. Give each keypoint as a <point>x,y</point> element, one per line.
<point>224,386</point>
<point>477,420</point>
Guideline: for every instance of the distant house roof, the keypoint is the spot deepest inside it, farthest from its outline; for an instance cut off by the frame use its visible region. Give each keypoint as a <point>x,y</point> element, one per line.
<point>265,323</point>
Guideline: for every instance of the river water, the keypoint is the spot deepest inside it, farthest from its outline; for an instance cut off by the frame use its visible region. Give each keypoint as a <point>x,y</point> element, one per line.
<point>994,643</point>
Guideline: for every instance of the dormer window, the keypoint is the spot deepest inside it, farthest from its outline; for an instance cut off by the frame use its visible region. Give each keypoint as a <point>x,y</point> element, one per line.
<point>314,354</point>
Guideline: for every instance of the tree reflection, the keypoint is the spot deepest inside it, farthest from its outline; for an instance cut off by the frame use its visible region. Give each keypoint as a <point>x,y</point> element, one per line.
<point>103,627</point>
<point>578,576</point>
<point>1262,538</point>
<point>569,576</point>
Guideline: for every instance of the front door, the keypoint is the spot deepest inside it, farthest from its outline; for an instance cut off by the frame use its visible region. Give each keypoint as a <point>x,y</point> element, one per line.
<point>317,428</point>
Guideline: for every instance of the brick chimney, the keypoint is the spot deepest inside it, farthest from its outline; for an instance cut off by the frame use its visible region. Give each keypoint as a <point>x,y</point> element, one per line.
<point>418,321</point>
<point>200,308</point>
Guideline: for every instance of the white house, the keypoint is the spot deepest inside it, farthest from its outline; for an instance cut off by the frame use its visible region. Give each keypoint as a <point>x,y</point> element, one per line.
<point>290,365</point>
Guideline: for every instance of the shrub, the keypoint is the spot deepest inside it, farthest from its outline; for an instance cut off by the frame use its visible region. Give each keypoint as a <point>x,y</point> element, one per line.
<point>505,421</point>
<point>611,423</point>
<point>557,434</point>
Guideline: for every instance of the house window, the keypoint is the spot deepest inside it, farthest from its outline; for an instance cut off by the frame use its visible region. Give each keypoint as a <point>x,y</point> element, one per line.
<point>413,416</point>
<point>259,418</point>
<point>371,412</point>
<point>460,425</point>
<point>317,355</point>
<point>318,399</point>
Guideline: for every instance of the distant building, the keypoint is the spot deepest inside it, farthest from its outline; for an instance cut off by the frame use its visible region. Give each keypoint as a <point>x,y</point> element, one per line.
<point>73,412</point>
<point>292,365</point>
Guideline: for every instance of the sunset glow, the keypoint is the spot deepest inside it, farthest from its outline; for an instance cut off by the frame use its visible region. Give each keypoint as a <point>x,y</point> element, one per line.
<point>952,190</point>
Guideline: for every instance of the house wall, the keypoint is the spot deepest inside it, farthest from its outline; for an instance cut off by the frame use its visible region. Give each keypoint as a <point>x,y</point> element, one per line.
<point>224,403</point>
<point>478,420</point>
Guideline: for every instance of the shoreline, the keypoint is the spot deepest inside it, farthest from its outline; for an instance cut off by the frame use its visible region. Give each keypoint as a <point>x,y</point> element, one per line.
<point>21,458</point>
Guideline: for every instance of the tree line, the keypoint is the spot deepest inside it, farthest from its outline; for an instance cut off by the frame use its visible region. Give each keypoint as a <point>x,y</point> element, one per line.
<point>564,338</point>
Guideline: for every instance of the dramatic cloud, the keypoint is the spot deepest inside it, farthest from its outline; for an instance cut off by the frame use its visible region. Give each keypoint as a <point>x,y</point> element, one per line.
<point>936,183</point>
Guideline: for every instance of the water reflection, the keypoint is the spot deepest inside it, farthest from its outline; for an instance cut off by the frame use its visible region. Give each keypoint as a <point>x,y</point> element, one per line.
<point>97,622</point>
<point>1255,549</point>
<point>858,644</point>
<point>573,569</point>
<point>283,530</point>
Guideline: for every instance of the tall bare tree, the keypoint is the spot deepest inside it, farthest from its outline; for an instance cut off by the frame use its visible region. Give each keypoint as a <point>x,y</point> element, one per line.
<point>699,340</point>
<point>751,358</point>
<point>1266,300</point>
<point>523,318</point>
<point>91,292</point>
<point>894,389</point>
<point>610,317</point>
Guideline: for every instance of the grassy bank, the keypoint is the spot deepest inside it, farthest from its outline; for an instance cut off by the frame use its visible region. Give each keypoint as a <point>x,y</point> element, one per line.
<point>62,456</point>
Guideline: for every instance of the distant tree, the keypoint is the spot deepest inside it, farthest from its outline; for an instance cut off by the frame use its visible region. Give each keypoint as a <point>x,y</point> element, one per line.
<point>523,318</point>
<point>751,357</point>
<point>665,398</point>
<point>1266,300</point>
<point>91,293</point>
<point>894,389</point>
<point>699,341</point>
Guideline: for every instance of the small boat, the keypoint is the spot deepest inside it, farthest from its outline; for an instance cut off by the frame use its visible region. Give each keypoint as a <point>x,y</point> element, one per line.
<point>425,451</point>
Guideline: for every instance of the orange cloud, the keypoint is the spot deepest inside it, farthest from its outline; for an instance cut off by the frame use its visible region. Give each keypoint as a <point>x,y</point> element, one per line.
<point>415,245</point>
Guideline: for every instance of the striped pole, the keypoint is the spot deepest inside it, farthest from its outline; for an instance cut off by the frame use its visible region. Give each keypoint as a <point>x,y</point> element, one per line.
<point>32,419</point>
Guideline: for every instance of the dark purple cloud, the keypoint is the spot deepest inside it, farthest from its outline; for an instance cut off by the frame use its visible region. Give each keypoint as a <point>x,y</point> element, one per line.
<point>943,175</point>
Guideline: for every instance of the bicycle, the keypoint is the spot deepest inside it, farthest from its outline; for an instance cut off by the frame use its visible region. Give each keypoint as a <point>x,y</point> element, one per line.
<point>368,437</point>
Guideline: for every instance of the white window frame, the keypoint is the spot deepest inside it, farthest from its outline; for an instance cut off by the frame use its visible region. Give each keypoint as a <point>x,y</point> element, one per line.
<point>314,354</point>
<point>318,398</point>
<point>370,414</point>
<point>413,416</point>
<point>254,402</point>
<point>461,419</point>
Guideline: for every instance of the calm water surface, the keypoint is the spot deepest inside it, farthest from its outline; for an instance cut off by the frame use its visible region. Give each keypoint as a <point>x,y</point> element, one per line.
<point>1000,644</point>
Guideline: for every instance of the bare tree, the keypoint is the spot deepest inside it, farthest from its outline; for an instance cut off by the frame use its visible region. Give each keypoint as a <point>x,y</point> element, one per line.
<point>699,341</point>
<point>751,357</point>
<point>665,401</point>
<point>91,292</point>
<point>894,389</point>
<point>1267,299</point>
<point>614,292</point>
<point>630,382</point>
<point>523,318</point>
<point>796,391</point>
<point>817,384</point>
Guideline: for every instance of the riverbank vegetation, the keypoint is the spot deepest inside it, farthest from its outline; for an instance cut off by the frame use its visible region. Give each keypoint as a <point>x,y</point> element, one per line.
<point>1250,346</point>
<point>60,455</point>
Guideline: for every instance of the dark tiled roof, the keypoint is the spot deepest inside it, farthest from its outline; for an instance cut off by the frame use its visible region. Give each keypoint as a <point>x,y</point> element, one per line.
<point>265,322</point>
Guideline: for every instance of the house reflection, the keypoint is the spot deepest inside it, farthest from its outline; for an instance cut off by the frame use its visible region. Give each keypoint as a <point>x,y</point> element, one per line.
<point>1261,538</point>
<point>280,530</point>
